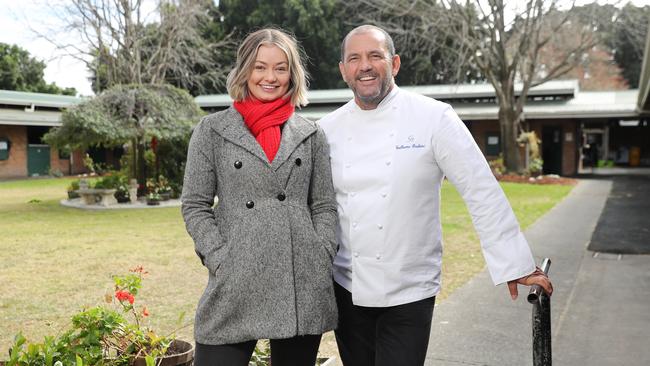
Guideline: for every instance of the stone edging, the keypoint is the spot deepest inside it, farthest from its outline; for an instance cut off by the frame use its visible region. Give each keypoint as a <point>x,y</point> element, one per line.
<point>77,203</point>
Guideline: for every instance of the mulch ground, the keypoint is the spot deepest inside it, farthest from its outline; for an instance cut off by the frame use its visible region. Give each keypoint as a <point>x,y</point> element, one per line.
<point>542,179</point>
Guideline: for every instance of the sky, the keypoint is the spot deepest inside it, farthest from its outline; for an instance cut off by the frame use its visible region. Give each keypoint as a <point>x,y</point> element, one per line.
<point>20,20</point>
<point>17,21</point>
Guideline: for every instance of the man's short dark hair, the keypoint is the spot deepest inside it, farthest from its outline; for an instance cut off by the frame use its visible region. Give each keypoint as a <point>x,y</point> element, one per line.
<point>389,44</point>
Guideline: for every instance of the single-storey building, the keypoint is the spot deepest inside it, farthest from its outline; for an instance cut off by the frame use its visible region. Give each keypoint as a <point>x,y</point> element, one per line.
<point>576,127</point>
<point>24,119</point>
<point>565,118</point>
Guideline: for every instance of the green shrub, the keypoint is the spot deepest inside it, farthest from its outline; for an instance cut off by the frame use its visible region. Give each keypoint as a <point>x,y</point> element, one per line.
<point>74,185</point>
<point>113,180</point>
<point>100,335</point>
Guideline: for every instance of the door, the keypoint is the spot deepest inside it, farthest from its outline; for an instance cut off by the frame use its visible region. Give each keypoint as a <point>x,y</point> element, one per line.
<point>552,149</point>
<point>38,160</point>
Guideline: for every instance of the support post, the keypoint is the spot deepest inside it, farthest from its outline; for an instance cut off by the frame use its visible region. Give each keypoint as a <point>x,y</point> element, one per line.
<point>542,352</point>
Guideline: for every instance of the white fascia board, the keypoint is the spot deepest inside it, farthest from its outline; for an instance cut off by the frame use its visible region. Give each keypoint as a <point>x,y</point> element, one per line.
<point>37,118</point>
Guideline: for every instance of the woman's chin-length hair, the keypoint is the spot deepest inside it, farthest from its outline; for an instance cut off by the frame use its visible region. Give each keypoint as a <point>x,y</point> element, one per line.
<point>247,53</point>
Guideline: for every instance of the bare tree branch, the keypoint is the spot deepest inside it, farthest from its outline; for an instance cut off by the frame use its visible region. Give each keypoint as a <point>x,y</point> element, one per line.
<point>505,50</point>
<point>121,46</point>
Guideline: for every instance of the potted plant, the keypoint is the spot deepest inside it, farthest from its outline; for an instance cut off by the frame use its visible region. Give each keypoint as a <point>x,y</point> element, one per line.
<point>153,199</point>
<point>164,189</point>
<point>72,189</point>
<point>102,335</point>
<point>122,195</point>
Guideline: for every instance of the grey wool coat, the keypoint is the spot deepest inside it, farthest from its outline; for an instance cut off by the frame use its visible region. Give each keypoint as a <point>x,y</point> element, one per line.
<point>269,243</point>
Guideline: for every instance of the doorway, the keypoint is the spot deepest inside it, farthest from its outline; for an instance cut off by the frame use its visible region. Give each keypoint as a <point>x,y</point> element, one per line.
<point>38,153</point>
<point>552,149</point>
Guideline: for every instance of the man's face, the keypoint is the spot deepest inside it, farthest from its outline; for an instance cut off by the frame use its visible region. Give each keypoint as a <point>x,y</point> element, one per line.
<point>368,69</point>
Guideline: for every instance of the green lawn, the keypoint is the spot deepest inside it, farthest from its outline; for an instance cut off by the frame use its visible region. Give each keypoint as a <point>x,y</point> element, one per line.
<point>54,260</point>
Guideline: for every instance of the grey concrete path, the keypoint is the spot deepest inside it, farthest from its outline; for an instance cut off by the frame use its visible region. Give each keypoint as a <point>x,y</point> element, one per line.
<point>600,310</point>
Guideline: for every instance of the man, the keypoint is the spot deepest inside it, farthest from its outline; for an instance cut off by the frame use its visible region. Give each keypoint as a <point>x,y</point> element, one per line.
<point>390,150</point>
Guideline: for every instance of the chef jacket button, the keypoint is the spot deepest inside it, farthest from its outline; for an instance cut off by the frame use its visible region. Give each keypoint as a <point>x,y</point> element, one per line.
<point>298,162</point>
<point>387,162</point>
<point>383,195</point>
<point>392,134</point>
<point>353,194</point>
<point>250,204</point>
<point>238,164</point>
<point>380,226</point>
<point>354,224</point>
<point>281,197</point>
<point>378,256</point>
<point>356,255</point>
<point>349,139</point>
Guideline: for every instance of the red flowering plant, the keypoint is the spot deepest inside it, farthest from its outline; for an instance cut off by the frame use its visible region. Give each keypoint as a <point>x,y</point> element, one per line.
<point>101,335</point>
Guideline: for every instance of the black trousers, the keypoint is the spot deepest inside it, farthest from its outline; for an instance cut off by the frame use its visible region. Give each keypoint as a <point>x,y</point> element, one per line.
<point>296,351</point>
<point>388,336</point>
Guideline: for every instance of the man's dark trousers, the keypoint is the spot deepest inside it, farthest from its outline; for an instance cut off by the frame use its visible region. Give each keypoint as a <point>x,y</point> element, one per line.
<point>387,336</point>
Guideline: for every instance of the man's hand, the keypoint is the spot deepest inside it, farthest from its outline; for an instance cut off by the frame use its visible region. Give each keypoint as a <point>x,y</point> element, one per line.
<point>536,278</point>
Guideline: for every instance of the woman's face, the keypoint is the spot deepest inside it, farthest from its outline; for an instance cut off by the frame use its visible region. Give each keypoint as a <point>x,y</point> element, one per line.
<point>270,77</point>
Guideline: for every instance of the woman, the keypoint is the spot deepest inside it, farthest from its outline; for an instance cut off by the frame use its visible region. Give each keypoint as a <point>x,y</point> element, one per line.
<point>269,242</point>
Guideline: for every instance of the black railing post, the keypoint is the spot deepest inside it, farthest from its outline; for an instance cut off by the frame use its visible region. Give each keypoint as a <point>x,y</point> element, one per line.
<point>542,355</point>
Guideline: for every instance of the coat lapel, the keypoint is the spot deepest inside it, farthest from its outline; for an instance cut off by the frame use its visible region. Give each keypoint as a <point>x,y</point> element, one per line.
<point>234,130</point>
<point>294,132</point>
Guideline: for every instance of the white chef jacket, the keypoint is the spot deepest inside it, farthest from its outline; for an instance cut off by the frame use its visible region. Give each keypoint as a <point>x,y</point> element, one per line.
<point>387,166</point>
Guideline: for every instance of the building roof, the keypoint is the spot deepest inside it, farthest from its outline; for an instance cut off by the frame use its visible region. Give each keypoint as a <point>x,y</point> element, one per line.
<point>17,98</point>
<point>609,104</point>
<point>601,104</point>
<point>555,88</point>
<point>551,100</point>
<point>26,118</point>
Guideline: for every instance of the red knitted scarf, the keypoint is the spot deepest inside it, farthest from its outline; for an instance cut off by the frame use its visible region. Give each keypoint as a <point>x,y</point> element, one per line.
<point>264,120</point>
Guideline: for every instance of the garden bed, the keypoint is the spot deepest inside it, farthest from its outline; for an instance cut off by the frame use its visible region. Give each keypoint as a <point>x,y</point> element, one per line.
<point>541,179</point>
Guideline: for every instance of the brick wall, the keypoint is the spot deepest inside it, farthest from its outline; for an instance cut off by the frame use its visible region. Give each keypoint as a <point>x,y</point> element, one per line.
<point>16,165</point>
<point>62,165</point>
<point>78,163</point>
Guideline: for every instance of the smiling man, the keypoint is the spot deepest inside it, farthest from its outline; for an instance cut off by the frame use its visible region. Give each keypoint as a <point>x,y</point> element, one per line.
<point>390,150</point>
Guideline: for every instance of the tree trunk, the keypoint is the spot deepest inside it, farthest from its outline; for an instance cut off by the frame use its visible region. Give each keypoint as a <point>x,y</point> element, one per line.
<point>510,147</point>
<point>141,176</point>
<point>134,159</point>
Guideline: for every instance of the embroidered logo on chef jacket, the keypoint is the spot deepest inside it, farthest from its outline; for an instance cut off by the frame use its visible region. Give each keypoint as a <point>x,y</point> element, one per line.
<point>410,143</point>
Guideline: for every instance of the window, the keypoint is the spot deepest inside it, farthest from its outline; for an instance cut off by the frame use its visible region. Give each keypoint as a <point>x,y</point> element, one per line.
<point>492,144</point>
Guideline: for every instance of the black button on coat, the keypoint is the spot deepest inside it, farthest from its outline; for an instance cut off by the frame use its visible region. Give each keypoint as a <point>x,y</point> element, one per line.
<point>269,267</point>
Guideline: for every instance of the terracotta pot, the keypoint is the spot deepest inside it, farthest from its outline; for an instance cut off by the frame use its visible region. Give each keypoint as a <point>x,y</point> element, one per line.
<point>184,355</point>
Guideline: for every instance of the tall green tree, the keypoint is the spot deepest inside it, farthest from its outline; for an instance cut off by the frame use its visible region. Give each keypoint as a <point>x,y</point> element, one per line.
<point>21,72</point>
<point>317,24</point>
<point>628,40</point>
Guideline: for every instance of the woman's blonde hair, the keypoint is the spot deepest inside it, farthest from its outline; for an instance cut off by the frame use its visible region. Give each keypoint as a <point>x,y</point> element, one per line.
<point>238,78</point>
